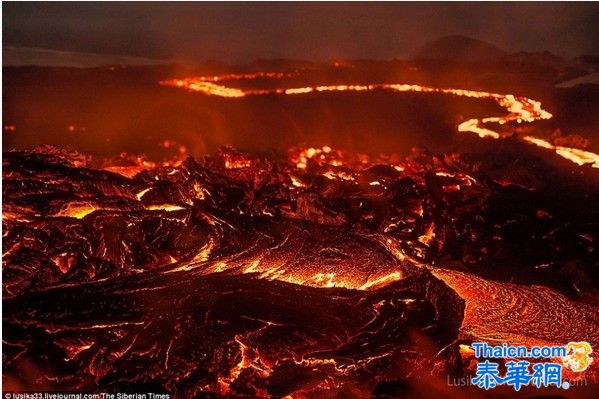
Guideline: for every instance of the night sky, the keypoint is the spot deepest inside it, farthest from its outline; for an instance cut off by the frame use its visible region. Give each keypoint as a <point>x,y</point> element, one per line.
<point>241,32</point>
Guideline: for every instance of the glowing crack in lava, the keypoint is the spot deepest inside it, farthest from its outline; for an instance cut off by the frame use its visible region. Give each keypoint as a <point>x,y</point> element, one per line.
<point>315,274</point>
<point>520,109</point>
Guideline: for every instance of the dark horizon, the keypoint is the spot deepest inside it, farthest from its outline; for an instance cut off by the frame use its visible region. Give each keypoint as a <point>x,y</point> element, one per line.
<point>242,32</point>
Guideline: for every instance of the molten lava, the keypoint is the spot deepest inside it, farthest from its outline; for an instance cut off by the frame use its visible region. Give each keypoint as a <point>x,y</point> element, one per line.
<point>520,109</point>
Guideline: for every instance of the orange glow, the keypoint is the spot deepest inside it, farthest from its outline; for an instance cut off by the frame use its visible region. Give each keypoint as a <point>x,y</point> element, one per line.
<point>300,90</point>
<point>249,359</point>
<point>127,171</point>
<point>332,175</point>
<point>576,155</point>
<point>339,278</point>
<point>164,207</point>
<point>80,210</point>
<point>520,109</point>
<point>63,261</point>
<point>237,164</point>
<point>466,350</point>
<point>142,193</point>
<point>246,76</point>
<point>210,88</point>
<point>381,281</point>
<point>495,313</point>
<point>326,280</point>
<point>428,236</point>
<point>77,210</point>
<point>139,163</point>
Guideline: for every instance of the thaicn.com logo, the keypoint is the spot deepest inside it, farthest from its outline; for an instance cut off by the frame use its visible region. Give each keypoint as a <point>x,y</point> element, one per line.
<point>575,356</point>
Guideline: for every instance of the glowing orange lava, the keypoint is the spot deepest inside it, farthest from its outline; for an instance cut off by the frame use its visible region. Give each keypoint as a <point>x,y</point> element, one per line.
<point>520,109</point>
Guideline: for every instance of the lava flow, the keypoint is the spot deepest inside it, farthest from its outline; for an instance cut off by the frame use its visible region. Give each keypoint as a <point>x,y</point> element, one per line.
<point>318,273</point>
<point>315,274</point>
<point>520,109</point>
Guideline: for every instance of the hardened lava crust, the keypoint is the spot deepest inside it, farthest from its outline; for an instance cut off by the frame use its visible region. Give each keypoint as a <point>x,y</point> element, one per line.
<point>318,273</point>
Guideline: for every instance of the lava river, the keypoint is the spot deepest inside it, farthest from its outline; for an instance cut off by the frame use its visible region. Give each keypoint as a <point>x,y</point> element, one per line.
<point>520,109</point>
